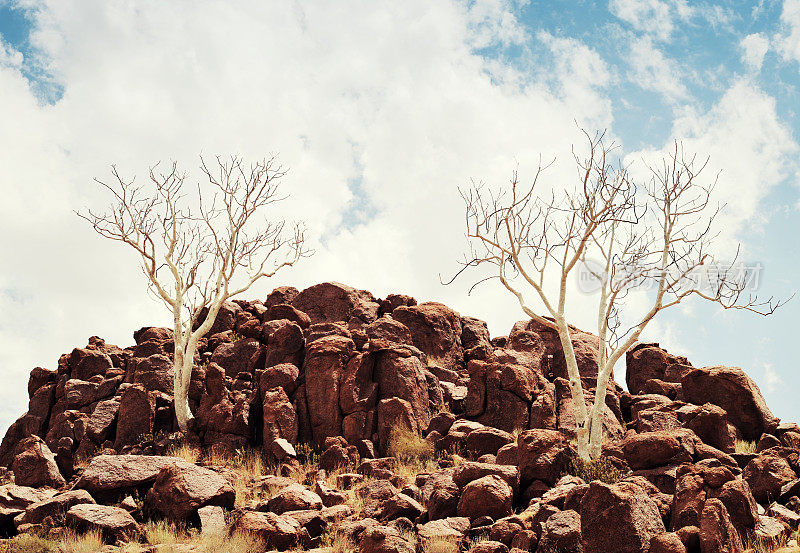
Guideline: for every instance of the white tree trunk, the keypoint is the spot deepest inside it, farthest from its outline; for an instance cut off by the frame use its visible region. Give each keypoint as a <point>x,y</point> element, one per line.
<point>576,390</point>
<point>183,364</point>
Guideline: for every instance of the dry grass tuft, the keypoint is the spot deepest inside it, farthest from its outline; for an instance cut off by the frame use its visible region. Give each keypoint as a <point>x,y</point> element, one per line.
<point>602,469</point>
<point>188,453</point>
<point>743,446</point>
<point>407,446</point>
<point>333,542</point>
<point>28,543</point>
<point>770,545</point>
<point>90,542</point>
<point>440,544</point>
<point>237,543</point>
<point>162,532</point>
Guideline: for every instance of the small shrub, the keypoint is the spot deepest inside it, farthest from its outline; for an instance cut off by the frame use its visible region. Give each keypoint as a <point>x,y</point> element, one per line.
<point>769,545</point>
<point>743,446</point>
<point>602,469</point>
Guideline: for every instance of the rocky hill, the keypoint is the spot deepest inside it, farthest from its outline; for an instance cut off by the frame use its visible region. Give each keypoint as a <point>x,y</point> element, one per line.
<point>329,419</point>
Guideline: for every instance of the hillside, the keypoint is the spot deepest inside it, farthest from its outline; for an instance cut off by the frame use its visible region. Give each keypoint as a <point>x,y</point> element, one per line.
<point>330,420</point>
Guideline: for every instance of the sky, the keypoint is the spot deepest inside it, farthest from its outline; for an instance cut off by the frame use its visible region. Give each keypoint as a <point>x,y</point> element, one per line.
<point>381,111</point>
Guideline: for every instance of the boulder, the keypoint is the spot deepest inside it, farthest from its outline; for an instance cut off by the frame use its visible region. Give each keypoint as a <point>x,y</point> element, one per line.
<point>276,531</point>
<point>766,475</point>
<point>112,522</point>
<point>294,497</point>
<point>332,301</point>
<point>325,361</point>
<point>384,539</point>
<point>717,534</point>
<point>543,455</point>
<point>734,391</point>
<point>487,496</point>
<point>212,520</point>
<point>280,418</point>
<point>645,362</point>
<point>668,542</point>
<point>436,330</point>
<point>243,355</point>
<point>181,488</point>
<point>35,465</point>
<point>109,475</point>
<point>654,449</point>
<point>136,416</point>
<point>440,495</point>
<point>618,518</point>
<point>53,507</point>
<point>562,532</point>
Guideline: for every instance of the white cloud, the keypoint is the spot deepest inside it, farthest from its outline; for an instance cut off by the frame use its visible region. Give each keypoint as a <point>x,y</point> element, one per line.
<point>749,148</point>
<point>9,57</point>
<point>386,93</point>
<point>772,379</point>
<point>754,47</point>
<point>788,44</point>
<point>655,17</point>
<point>652,70</point>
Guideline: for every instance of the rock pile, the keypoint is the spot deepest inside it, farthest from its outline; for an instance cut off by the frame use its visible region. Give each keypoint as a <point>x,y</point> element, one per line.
<point>333,370</point>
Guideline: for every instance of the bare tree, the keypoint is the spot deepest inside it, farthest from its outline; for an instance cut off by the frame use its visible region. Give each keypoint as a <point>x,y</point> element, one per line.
<point>199,248</point>
<point>622,237</point>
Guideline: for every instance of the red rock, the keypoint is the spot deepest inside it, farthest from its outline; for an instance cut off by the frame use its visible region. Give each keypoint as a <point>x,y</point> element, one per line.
<point>717,534</point>
<point>281,294</point>
<point>286,311</point>
<point>284,375</point>
<point>276,531</point>
<point>86,363</point>
<point>766,475</point>
<point>155,372</point>
<point>736,393</point>
<point>244,355</point>
<point>486,440</point>
<point>35,465</point>
<point>618,518</point>
<point>584,344</point>
<point>469,471</point>
<point>387,332</point>
<point>644,362</point>
<point>212,519</point>
<point>710,423</point>
<point>294,497</point>
<point>324,364</point>
<point>280,419</point>
<point>487,496</point>
<point>102,420</point>
<point>181,488</point>
<point>225,319</point>
<point>400,374</point>
<point>440,495</point>
<point>452,528</point>
<point>668,542</point>
<point>136,416</point>
<point>488,546</point>
<point>332,301</point>
<point>436,330</point>
<point>112,522</point>
<point>740,504</point>
<point>383,539</point>
<point>394,412</point>
<point>52,507</point>
<point>116,474</point>
<point>654,449</point>
<point>562,532</point>
<point>543,455</point>
<point>285,342</point>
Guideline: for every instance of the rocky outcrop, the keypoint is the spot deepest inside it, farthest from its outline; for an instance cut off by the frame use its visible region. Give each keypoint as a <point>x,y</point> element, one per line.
<point>336,379</point>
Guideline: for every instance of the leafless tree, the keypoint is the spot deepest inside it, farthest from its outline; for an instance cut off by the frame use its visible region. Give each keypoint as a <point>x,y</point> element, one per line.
<point>198,247</point>
<point>618,235</point>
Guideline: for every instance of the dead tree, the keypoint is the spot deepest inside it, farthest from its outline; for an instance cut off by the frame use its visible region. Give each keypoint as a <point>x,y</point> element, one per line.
<point>200,247</point>
<point>623,237</point>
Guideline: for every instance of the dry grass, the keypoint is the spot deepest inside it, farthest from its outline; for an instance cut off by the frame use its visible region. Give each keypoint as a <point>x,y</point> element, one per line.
<point>188,453</point>
<point>597,469</point>
<point>90,542</point>
<point>781,545</point>
<point>28,543</point>
<point>408,446</point>
<point>247,466</point>
<point>440,544</point>
<point>236,543</point>
<point>743,446</point>
<point>333,542</point>
<point>162,532</point>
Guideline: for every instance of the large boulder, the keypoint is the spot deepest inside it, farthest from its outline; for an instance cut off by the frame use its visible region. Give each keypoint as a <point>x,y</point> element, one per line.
<point>734,391</point>
<point>767,474</point>
<point>325,362</point>
<point>136,416</point>
<point>645,362</point>
<point>487,496</point>
<point>543,455</point>
<point>717,534</point>
<point>113,523</point>
<point>654,449</point>
<point>294,497</point>
<point>276,531</point>
<point>332,302</point>
<point>618,518</point>
<point>111,475</point>
<point>244,355</point>
<point>436,330</point>
<point>181,488</point>
<point>35,465</point>
<point>52,507</point>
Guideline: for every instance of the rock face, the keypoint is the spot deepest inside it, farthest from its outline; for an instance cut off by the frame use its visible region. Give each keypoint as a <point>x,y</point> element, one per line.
<point>618,518</point>
<point>736,393</point>
<point>35,465</point>
<point>332,374</point>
